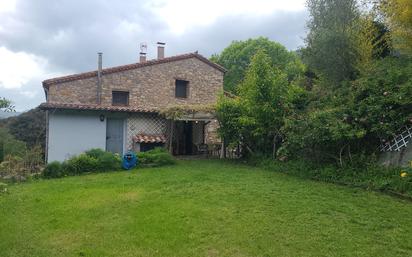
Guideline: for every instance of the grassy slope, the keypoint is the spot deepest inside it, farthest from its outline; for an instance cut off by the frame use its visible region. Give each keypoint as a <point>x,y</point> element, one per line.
<point>200,208</point>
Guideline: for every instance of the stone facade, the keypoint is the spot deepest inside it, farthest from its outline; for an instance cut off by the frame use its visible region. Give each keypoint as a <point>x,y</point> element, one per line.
<point>150,87</point>
<point>211,135</point>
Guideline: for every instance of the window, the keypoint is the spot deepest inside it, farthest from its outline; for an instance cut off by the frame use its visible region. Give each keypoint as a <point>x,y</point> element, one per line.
<point>181,88</point>
<point>120,98</point>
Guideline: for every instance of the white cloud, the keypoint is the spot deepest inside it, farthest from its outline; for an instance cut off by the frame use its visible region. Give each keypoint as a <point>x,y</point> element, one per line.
<point>17,68</point>
<point>7,6</point>
<point>183,14</point>
<point>40,39</point>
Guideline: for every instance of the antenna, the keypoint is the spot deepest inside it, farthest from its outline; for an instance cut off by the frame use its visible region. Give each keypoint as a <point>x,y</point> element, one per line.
<point>143,47</point>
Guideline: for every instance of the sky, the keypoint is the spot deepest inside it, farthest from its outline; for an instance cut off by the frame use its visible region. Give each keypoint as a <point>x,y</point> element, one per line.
<point>42,39</point>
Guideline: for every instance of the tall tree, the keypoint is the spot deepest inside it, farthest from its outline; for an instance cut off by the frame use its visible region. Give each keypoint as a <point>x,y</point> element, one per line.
<point>331,44</point>
<point>399,18</point>
<point>237,57</point>
<point>256,116</point>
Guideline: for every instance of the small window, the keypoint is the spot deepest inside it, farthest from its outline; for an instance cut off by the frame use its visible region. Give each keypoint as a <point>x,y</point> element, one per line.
<point>181,88</point>
<point>120,98</point>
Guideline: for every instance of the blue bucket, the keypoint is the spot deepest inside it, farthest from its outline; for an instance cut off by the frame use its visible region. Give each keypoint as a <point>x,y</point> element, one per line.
<point>129,160</point>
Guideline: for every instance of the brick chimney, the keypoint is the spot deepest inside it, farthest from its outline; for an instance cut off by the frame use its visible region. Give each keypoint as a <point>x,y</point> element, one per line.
<point>142,57</point>
<point>160,50</point>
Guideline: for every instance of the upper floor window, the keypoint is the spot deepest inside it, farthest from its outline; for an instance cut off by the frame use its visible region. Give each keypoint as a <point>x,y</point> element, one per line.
<point>120,98</point>
<point>181,88</point>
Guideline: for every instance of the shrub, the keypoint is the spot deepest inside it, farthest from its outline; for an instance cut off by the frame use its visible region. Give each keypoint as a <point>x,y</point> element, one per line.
<point>369,176</point>
<point>12,168</point>
<point>105,160</point>
<point>156,157</point>
<point>33,159</point>
<point>94,160</point>
<point>95,152</point>
<point>108,161</point>
<point>80,164</point>
<point>54,170</point>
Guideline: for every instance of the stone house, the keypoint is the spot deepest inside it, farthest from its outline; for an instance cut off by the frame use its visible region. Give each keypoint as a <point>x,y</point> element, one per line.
<point>120,108</point>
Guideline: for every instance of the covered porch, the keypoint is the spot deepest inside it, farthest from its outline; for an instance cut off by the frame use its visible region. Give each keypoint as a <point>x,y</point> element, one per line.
<point>193,134</point>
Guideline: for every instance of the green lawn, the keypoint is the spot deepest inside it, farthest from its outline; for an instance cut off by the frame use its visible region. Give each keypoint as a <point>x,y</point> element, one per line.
<point>200,208</point>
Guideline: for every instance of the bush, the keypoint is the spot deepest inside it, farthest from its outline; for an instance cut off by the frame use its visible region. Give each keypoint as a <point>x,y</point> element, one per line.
<point>94,160</point>
<point>109,161</point>
<point>53,170</point>
<point>12,168</point>
<point>369,176</point>
<point>106,161</point>
<point>95,153</point>
<point>97,160</point>
<point>156,157</point>
<point>80,164</point>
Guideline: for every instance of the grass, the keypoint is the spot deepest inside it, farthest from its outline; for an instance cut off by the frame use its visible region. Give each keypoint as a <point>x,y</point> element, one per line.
<point>200,208</point>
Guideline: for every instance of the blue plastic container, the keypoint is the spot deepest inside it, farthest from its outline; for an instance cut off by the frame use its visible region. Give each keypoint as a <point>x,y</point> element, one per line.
<point>129,160</point>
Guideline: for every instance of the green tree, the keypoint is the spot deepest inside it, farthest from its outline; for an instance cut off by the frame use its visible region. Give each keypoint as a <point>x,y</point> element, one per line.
<point>29,127</point>
<point>9,145</point>
<point>6,105</point>
<point>398,14</point>
<point>237,57</point>
<point>332,44</point>
<point>255,117</point>
<point>382,101</point>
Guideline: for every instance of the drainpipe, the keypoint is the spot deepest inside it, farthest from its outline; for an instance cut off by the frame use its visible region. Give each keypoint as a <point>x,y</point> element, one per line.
<point>46,150</point>
<point>99,78</point>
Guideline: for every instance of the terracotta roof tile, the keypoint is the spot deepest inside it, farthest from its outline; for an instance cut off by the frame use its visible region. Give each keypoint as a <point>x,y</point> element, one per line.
<point>144,138</point>
<point>94,107</point>
<point>92,74</point>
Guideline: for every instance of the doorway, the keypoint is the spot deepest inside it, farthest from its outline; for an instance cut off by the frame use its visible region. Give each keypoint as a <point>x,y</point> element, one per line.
<point>184,138</point>
<point>114,135</point>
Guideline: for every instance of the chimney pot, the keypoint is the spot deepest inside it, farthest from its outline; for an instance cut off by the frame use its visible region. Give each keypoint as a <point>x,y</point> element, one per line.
<point>160,50</point>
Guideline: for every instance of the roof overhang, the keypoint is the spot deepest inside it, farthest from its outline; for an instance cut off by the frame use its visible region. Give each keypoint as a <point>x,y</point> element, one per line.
<point>94,107</point>
<point>145,138</point>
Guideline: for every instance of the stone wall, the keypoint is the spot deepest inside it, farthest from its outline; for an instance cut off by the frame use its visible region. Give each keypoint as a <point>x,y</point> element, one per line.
<point>212,136</point>
<point>149,86</point>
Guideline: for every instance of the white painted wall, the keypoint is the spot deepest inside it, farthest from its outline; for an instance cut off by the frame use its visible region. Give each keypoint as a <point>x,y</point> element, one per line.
<point>73,133</point>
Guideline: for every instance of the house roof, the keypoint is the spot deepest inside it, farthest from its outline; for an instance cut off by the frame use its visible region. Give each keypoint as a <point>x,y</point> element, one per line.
<point>144,138</point>
<point>132,66</point>
<point>95,107</point>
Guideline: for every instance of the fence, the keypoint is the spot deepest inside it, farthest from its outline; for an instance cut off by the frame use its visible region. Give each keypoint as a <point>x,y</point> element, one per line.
<point>399,141</point>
